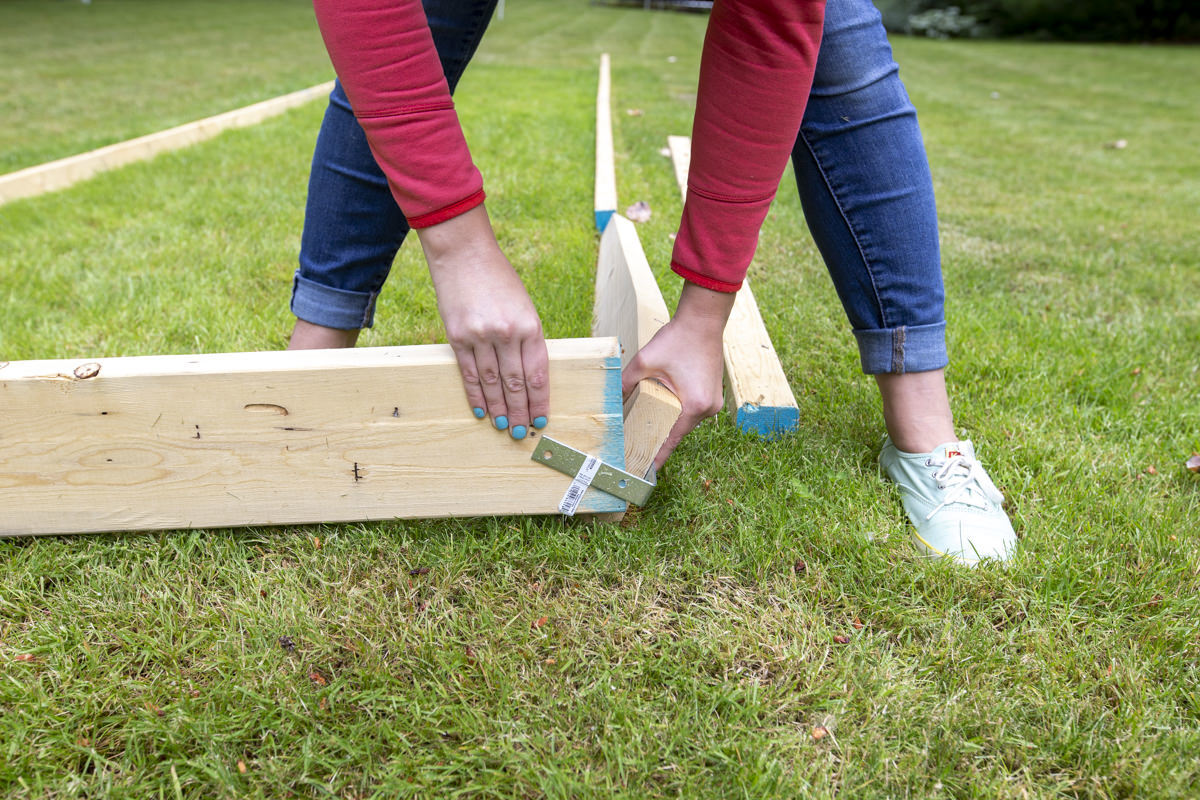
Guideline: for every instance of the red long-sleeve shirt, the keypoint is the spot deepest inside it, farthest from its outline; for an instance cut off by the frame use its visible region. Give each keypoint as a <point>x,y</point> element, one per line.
<point>755,74</point>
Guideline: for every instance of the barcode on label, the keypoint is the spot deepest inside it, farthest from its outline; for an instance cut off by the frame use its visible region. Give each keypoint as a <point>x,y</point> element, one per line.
<point>583,479</point>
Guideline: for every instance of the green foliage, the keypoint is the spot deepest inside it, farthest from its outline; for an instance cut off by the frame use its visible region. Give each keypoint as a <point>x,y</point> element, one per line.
<point>684,654</point>
<point>943,23</point>
<point>1098,20</point>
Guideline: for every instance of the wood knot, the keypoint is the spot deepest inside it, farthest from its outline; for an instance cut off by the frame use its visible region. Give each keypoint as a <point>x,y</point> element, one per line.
<point>88,370</point>
<point>266,408</point>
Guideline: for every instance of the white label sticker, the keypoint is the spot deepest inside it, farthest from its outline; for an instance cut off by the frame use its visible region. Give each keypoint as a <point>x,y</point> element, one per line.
<point>583,479</point>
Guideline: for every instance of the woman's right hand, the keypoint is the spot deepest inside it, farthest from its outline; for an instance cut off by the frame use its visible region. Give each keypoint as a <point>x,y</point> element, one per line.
<point>686,356</point>
<point>490,322</point>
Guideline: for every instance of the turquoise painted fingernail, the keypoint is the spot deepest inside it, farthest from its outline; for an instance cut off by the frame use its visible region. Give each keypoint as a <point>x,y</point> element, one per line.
<point>540,422</point>
<point>501,423</point>
<point>518,432</point>
<point>478,412</point>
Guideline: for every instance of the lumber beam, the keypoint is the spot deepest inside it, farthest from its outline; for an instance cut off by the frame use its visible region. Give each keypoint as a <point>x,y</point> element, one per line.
<point>606,175</point>
<point>206,441</point>
<point>64,172</point>
<point>757,394</point>
<point>630,306</point>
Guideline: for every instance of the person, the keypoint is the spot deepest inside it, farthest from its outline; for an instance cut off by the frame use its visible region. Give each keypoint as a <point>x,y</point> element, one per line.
<point>779,79</point>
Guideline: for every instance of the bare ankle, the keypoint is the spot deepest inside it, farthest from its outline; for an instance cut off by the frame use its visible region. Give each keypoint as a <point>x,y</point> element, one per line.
<point>916,410</point>
<point>307,336</point>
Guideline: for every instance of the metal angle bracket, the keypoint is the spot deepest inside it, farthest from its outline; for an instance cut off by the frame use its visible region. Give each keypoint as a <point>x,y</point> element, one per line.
<point>608,479</point>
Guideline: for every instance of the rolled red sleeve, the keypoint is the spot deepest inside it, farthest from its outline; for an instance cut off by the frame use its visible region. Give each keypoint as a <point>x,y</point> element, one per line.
<point>755,75</point>
<point>385,57</point>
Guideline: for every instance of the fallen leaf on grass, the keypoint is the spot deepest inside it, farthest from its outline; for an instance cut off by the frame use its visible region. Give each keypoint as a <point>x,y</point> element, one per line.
<point>317,678</point>
<point>323,704</point>
<point>799,567</point>
<point>24,657</point>
<point>550,660</point>
<point>470,653</point>
<point>858,625</point>
<point>639,211</point>
<point>1193,463</point>
<point>634,112</point>
<point>419,571</point>
<point>842,638</point>
<point>317,542</point>
<point>241,766</point>
<point>539,622</point>
<point>819,733</point>
<point>1150,470</point>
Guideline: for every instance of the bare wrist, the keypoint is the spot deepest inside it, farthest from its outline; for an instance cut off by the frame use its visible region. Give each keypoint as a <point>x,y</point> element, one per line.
<point>704,309</point>
<point>462,239</point>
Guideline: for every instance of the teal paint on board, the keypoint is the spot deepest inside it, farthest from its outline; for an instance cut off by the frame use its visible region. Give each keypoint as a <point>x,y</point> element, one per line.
<point>770,422</point>
<point>612,450</point>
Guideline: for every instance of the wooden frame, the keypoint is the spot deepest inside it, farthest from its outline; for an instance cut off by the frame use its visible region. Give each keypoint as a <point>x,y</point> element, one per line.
<point>630,306</point>
<point>203,441</point>
<point>758,396</point>
<point>60,174</point>
<point>606,176</point>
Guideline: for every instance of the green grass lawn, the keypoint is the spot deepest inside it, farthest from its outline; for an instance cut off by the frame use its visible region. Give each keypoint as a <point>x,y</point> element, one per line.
<point>684,653</point>
<point>78,76</point>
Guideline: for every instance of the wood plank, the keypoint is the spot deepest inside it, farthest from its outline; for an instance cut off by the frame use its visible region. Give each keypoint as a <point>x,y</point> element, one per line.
<point>630,306</point>
<point>650,413</point>
<point>204,441</point>
<point>64,172</point>
<point>606,175</point>
<point>681,160</point>
<point>757,395</point>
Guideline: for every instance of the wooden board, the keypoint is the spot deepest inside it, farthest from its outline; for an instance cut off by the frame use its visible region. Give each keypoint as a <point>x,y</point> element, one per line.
<point>628,302</point>
<point>630,306</point>
<point>60,174</point>
<point>606,175</point>
<point>757,396</point>
<point>681,160</point>
<point>163,442</point>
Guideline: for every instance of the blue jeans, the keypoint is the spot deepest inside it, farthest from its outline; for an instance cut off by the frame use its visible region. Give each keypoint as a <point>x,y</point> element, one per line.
<point>860,166</point>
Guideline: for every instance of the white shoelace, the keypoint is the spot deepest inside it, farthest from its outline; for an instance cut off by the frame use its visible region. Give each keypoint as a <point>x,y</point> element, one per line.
<point>965,482</point>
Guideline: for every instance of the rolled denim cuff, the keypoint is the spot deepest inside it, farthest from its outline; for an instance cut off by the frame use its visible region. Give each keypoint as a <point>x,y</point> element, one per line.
<point>332,308</point>
<point>915,348</point>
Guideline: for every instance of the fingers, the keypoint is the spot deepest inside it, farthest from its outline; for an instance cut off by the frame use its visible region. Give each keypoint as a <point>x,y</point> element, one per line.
<point>689,419</point>
<point>509,382</point>
<point>513,386</point>
<point>490,384</point>
<point>471,383</point>
<point>536,362</point>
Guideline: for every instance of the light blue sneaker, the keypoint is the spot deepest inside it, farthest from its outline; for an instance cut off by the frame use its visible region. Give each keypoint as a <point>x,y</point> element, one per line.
<point>952,502</point>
